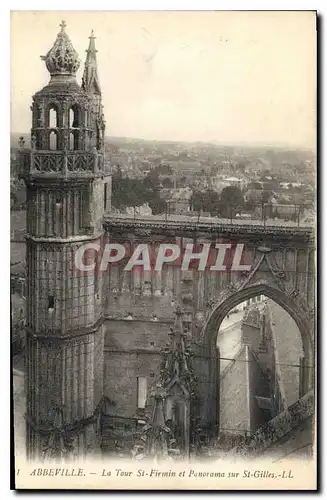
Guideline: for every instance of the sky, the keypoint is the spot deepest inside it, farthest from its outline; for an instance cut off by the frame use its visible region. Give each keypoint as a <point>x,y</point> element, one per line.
<point>222,77</point>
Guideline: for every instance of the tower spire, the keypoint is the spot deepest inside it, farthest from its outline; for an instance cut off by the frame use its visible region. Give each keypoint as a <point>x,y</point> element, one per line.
<point>91,81</point>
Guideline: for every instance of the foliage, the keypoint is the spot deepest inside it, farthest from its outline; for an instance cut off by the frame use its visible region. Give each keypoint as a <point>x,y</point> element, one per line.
<point>128,192</point>
<point>231,201</point>
<point>207,202</point>
<point>266,196</point>
<point>167,183</point>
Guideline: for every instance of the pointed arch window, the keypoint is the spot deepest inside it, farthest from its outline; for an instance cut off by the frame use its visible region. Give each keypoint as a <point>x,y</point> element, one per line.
<point>53,141</point>
<point>53,116</point>
<point>74,116</point>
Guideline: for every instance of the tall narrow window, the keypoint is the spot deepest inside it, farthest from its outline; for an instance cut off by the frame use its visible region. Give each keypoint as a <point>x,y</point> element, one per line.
<point>71,118</point>
<point>53,141</point>
<point>38,115</point>
<point>51,302</point>
<point>105,193</point>
<point>141,392</point>
<point>74,116</point>
<point>76,138</point>
<point>71,141</point>
<point>98,138</point>
<point>53,117</point>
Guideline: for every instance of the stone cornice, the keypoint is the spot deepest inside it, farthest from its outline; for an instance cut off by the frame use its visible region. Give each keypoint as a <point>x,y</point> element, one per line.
<point>58,240</point>
<point>184,228</point>
<point>56,338</point>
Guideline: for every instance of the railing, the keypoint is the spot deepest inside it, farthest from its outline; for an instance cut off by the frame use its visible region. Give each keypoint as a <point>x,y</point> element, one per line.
<point>67,163</point>
<point>210,224</point>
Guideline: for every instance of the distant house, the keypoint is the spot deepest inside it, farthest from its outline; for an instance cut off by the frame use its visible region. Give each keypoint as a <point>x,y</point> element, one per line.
<point>234,181</point>
<point>254,195</point>
<point>143,210</point>
<point>255,185</point>
<point>288,185</point>
<point>269,183</point>
<point>283,210</point>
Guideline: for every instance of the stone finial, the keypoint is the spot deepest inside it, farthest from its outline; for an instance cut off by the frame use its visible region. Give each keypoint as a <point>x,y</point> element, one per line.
<point>62,59</point>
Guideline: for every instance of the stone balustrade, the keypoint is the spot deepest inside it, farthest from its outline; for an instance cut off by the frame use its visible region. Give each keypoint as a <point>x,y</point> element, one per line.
<point>61,164</point>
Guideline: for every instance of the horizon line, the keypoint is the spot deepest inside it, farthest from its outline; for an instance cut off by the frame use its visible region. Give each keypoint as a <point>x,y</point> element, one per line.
<point>208,142</point>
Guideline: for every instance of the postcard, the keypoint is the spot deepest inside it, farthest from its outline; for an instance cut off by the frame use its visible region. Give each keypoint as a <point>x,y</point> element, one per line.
<point>163,250</point>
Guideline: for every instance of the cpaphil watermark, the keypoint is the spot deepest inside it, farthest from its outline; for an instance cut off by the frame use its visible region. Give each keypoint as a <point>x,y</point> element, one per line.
<point>97,257</point>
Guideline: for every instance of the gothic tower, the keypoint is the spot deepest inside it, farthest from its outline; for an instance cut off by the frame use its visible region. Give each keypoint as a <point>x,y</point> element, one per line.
<point>67,196</point>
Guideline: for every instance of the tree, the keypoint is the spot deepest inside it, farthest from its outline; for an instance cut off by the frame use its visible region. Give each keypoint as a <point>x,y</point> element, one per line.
<point>167,183</point>
<point>196,201</point>
<point>157,205</point>
<point>249,205</point>
<point>206,202</point>
<point>151,180</point>
<point>231,200</point>
<point>266,196</point>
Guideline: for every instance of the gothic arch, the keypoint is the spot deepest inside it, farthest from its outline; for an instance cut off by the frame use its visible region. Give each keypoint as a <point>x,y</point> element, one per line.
<point>236,297</point>
<point>230,299</point>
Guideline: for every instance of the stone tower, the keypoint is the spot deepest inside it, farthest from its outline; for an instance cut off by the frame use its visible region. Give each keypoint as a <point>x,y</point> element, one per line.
<point>68,192</point>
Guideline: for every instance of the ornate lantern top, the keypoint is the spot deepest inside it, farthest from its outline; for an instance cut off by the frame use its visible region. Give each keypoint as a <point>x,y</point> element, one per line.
<point>62,58</point>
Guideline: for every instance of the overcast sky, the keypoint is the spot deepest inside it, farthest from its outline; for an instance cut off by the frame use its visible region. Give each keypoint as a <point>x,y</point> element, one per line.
<point>227,77</point>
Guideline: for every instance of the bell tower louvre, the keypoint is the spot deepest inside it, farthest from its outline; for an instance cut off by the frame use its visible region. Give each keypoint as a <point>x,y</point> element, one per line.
<point>67,187</point>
